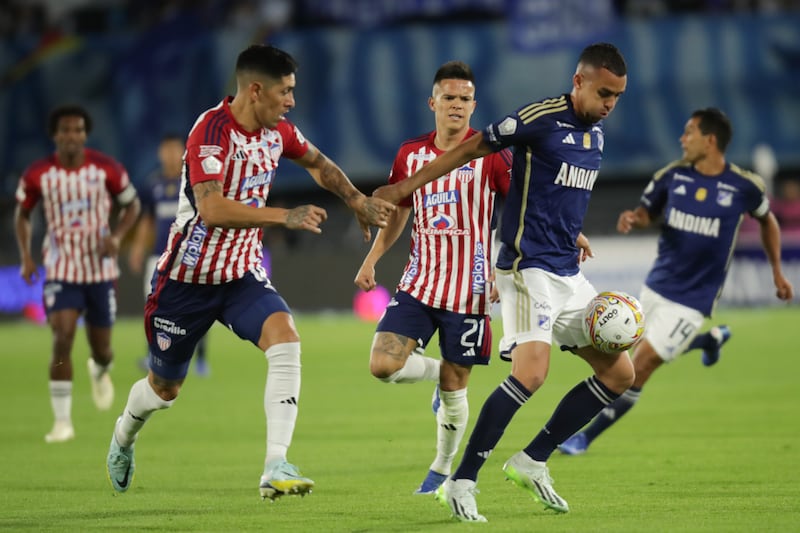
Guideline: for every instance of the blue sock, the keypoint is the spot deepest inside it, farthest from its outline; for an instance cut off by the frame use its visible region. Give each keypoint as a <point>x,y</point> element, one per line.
<point>579,406</point>
<point>700,342</point>
<point>496,413</point>
<point>612,413</point>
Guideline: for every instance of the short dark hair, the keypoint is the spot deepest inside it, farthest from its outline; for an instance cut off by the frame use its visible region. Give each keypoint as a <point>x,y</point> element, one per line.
<point>604,55</point>
<point>70,110</point>
<point>172,136</point>
<point>454,70</point>
<point>715,122</point>
<point>267,60</point>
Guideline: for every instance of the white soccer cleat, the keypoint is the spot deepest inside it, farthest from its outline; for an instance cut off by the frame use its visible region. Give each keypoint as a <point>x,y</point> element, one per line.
<point>62,431</point>
<point>281,478</point>
<point>458,495</point>
<point>534,477</point>
<point>102,388</point>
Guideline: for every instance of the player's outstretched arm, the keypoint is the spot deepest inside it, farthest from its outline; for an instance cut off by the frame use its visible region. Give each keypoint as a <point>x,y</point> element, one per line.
<point>220,212</point>
<point>472,148</point>
<point>771,241</point>
<point>384,239</point>
<point>635,218</point>
<point>584,248</point>
<point>369,211</point>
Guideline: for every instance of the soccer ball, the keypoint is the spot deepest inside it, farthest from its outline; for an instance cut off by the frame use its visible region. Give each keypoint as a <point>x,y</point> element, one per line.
<point>614,321</point>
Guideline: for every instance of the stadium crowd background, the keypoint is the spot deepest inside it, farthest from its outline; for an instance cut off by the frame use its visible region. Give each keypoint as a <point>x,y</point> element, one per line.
<point>146,68</point>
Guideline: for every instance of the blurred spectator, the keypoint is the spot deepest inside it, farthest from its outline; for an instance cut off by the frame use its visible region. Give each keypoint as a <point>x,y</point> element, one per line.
<point>786,207</point>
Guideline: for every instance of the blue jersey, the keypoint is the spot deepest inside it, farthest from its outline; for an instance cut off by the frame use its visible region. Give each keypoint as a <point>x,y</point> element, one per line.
<point>556,161</point>
<point>701,217</point>
<point>160,200</point>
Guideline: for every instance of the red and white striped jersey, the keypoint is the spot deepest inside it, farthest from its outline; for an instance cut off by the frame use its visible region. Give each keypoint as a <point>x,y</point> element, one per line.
<point>245,163</point>
<point>77,205</point>
<point>451,237</point>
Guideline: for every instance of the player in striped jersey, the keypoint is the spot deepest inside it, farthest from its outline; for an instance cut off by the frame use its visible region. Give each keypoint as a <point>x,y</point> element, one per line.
<point>159,199</point>
<point>702,200</point>
<point>445,285</point>
<point>558,146</point>
<point>212,267</point>
<point>76,187</point>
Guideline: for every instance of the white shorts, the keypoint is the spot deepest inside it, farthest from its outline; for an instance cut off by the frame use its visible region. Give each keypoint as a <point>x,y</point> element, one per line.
<point>149,269</point>
<point>542,306</point>
<point>670,326</point>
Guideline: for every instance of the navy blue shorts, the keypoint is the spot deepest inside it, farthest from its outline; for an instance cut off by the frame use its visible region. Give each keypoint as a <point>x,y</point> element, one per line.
<point>97,300</point>
<point>463,339</point>
<point>177,315</point>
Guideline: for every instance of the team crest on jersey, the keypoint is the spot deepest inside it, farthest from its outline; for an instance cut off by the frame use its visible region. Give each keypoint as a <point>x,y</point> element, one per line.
<point>725,198</point>
<point>543,321</point>
<point>507,127</point>
<point>701,194</point>
<point>441,198</point>
<point>587,140</point>
<point>465,174</point>
<point>211,165</point>
<point>163,340</point>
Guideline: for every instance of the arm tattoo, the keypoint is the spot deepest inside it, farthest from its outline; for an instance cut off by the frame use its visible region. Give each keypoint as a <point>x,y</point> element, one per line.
<point>333,178</point>
<point>206,188</point>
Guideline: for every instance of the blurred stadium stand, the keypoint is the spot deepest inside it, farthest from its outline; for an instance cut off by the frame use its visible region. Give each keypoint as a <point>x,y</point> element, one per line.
<point>148,67</point>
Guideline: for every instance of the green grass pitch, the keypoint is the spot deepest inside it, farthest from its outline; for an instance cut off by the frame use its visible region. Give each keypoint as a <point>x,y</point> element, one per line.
<point>706,449</point>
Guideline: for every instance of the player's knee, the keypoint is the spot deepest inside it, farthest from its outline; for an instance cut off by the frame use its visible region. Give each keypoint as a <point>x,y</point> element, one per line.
<point>62,341</point>
<point>384,368</point>
<point>166,390</point>
<point>620,379</point>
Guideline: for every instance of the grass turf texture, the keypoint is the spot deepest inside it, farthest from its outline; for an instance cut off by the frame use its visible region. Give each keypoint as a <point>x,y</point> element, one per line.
<point>706,449</point>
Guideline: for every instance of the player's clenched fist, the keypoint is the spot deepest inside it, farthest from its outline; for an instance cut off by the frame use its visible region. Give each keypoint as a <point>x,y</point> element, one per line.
<point>306,217</point>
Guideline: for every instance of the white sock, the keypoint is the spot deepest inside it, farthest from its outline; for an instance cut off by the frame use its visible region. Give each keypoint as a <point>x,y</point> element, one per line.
<point>280,397</point>
<point>451,421</point>
<point>417,368</point>
<point>142,402</point>
<point>61,400</point>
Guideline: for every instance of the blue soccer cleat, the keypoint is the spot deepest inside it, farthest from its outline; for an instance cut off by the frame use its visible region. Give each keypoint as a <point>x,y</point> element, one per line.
<point>436,401</point>
<point>575,445</point>
<point>431,483</point>
<point>720,335</point>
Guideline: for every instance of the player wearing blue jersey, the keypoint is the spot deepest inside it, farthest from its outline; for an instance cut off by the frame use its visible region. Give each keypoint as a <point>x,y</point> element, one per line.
<point>558,146</point>
<point>701,201</point>
<point>159,199</point>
